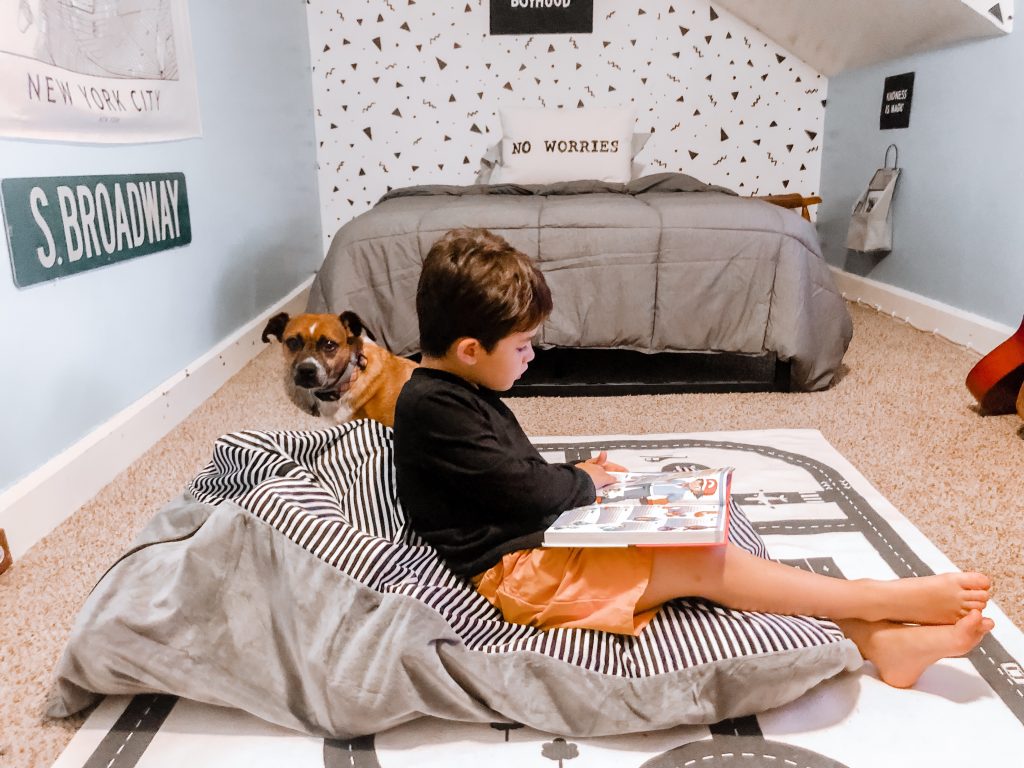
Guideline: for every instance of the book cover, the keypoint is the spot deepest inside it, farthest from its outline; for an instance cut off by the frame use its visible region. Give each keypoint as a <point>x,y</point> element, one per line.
<point>650,509</point>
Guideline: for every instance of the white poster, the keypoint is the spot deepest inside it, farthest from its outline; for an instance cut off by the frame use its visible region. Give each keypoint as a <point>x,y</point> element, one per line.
<point>108,71</point>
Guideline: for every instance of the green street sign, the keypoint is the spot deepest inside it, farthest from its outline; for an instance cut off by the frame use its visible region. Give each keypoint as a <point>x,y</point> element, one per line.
<point>61,225</point>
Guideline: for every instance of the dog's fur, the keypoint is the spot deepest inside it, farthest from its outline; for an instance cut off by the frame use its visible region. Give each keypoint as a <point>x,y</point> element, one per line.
<point>332,371</point>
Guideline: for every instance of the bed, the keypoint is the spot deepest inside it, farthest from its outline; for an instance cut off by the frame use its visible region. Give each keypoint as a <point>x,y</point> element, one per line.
<point>663,263</point>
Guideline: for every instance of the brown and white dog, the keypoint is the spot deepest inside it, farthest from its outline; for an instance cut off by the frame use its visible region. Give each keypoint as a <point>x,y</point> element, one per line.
<point>334,372</point>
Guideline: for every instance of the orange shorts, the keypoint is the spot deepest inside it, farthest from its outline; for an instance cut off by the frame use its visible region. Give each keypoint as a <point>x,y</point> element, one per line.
<point>588,588</point>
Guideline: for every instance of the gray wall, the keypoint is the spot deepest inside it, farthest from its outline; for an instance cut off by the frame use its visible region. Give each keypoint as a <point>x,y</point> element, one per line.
<point>77,351</point>
<point>959,232</point>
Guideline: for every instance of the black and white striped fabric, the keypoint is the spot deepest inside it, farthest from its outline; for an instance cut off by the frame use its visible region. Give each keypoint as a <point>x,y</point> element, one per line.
<point>332,492</point>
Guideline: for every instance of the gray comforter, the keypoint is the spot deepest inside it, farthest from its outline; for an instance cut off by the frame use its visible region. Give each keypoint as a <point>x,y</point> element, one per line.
<point>664,263</point>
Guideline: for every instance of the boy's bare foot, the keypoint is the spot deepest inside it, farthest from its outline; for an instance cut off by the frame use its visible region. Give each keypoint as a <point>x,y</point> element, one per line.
<point>941,599</point>
<point>902,652</point>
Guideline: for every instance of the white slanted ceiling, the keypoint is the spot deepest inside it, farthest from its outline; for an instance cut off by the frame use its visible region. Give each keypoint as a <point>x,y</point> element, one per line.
<point>836,35</point>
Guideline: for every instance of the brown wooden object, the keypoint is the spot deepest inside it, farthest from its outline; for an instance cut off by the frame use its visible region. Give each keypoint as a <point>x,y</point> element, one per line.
<point>5,552</point>
<point>793,200</point>
<point>996,380</point>
<point>1020,402</point>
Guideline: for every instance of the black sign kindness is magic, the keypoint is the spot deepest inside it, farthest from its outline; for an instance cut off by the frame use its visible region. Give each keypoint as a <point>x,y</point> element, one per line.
<point>896,96</point>
<point>541,17</point>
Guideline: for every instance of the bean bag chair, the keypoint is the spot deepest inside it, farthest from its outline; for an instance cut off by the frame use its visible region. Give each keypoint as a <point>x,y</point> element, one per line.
<point>286,582</point>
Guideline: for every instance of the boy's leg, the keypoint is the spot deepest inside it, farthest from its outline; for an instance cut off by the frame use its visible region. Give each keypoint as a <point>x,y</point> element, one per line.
<point>901,652</point>
<point>737,579</point>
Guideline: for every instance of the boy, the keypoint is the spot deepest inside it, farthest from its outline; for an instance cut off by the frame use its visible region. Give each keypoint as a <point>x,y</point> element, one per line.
<point>479,492</point>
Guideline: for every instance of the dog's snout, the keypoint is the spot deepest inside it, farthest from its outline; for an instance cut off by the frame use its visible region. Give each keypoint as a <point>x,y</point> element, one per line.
<point>306,374</point>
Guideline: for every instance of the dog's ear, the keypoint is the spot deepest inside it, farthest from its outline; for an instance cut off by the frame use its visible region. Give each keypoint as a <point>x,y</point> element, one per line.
<point>275,327</point>
<point>355,326</point>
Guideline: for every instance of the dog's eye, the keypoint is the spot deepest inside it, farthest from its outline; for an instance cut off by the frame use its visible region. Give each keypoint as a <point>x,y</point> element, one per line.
<point>294,343</point>
<point>328,345</point>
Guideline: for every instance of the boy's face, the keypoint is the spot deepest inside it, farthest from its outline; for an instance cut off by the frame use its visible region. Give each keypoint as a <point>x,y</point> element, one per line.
<point>498,369</point>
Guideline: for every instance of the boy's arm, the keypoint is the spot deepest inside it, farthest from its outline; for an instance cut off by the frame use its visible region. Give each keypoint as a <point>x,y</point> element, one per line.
<point>470,459</point>
<point>517,486</point>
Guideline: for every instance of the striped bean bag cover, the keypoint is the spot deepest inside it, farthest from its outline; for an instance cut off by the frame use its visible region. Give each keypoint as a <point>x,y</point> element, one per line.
<point>367,628</point>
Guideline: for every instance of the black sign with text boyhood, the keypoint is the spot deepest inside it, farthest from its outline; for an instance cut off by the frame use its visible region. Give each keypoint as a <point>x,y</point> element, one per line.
<point>61,225</point>
<point>541,17</point>
<point>899,89</point>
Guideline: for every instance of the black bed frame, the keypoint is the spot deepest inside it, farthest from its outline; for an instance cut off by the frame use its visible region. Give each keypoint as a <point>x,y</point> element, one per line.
<point>576,372</point>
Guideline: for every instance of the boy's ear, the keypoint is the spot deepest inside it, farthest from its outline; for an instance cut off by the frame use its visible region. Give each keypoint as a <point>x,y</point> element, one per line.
<point>467,350</point>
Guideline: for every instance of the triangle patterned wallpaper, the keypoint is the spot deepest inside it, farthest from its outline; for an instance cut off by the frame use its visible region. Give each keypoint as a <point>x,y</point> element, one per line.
<point>407,92</point>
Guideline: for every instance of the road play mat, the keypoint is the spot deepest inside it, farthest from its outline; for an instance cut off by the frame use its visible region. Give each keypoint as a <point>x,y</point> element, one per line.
<point>815,511</point>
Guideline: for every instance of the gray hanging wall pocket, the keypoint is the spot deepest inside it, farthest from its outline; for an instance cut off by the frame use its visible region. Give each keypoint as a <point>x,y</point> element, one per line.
<point>871,222</point>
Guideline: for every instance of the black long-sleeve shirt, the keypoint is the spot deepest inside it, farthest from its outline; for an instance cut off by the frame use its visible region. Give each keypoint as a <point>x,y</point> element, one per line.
<point>473,485</point>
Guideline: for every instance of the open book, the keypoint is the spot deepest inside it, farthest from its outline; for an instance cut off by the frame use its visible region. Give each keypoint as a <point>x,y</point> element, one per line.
<point>650,509</point>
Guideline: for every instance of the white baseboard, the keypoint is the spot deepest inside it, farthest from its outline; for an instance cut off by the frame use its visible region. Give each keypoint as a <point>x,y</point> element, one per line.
<point>964,328</point>
<point>38,503</point>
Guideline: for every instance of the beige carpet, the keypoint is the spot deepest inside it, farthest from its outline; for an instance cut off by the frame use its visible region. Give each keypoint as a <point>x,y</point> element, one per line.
<point>899,413</point>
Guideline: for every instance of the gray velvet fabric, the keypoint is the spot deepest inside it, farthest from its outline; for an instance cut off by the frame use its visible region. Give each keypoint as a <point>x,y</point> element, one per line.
<point>663,263</point>
<point>239,616</point>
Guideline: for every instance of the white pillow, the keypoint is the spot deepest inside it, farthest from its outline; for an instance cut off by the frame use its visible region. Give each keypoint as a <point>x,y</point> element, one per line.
<point>543,146</point>
<point>490,161</point>
<point>637,169</point>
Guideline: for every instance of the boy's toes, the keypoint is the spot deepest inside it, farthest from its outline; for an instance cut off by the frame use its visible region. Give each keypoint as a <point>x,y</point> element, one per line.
<point>976,596</point>
<point>972,580</point>
<point>976,623</point>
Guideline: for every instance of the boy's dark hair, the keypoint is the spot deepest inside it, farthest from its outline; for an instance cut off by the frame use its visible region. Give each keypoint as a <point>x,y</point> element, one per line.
<point>474,284</point>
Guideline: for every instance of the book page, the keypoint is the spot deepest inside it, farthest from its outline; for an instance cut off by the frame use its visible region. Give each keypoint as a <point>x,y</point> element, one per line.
<point>649,508</point>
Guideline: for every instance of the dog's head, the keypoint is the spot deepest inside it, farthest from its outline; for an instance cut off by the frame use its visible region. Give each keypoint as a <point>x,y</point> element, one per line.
<point>324,352</point>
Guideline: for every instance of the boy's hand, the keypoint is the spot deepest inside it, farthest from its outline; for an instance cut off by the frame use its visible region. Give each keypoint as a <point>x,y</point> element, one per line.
<point>601,460</point>
<point>598,468</point>
<point>597,473</point>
